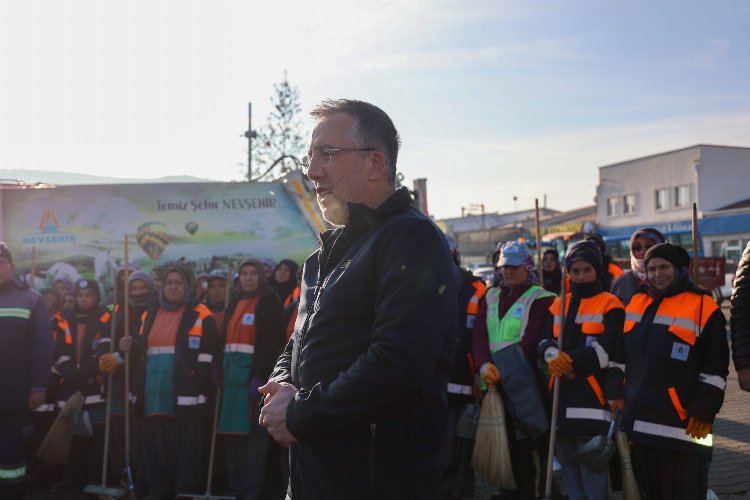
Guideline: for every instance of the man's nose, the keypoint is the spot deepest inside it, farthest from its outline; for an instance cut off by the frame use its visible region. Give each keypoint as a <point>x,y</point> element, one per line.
<point>315,170</point>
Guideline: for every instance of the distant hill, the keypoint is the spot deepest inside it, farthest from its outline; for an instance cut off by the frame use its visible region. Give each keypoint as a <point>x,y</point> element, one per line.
<point>57,177</point>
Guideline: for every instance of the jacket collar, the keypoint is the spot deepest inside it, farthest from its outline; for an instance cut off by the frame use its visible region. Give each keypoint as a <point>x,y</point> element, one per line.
<point>362,217</point>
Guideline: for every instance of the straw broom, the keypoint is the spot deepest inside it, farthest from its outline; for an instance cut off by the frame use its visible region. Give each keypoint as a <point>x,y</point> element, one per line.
<point>491,448</point>
<point>630,488</point>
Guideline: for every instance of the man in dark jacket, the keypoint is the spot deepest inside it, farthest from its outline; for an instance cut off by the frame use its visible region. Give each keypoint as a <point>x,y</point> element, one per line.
<point>741,321</point>
<point>360,390</point>
<point>25,362</point>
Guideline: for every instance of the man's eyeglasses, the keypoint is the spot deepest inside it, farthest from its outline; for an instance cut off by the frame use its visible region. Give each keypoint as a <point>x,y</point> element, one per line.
<point>325,155</point>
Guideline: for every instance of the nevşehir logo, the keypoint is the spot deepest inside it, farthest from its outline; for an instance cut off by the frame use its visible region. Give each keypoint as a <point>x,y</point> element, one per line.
<point>49,231</point>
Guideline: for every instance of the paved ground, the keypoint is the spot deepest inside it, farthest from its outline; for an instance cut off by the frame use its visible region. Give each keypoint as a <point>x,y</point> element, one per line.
<point>729,477</point>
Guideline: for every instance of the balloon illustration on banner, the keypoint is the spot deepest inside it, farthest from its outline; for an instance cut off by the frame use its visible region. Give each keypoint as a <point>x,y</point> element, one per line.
<point>153,238</point>
<point>191,227</point>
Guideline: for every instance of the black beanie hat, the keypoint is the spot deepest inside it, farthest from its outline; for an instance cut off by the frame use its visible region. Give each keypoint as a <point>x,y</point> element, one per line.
<point>586,250</point>
<point>596,238</point>
<point>677,256</point>
<point>5,252</point>
<point>91,285</point>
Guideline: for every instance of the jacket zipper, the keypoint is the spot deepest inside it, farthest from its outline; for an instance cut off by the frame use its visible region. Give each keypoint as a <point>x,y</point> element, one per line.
<point>371,461</point>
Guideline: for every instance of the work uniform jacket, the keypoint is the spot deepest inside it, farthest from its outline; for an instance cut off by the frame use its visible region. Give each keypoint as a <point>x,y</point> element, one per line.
<point>461,381</point>
<point>593,323</point>
<point>83,375</point>
<point>251,356</point>
<point>675,353</point>
<point>740,317</point>
<point>193,350</point>
<point>371,355</point>
<point>61,338</point>
<point>25,345</point>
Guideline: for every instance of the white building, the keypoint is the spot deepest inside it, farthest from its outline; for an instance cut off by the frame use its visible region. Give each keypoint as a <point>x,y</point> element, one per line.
<point>659,190</point>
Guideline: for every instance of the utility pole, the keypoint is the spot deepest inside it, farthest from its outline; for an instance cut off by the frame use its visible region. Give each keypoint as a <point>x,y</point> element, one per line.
<point>250,134</point>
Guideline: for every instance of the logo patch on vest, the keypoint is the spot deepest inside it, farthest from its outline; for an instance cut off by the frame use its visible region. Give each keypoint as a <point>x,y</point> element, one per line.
<point>194,342</point>
<point>680,351</point>
<point>470,320</point>
<point>518,312</point>
<point>248,319</point>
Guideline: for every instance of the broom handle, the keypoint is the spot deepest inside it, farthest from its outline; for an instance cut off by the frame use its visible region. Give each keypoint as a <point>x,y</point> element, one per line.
<point>33,266</point>
<point>126,333</point>
<point>108,403</point>
<point>218,398</point>
<point>540,268</point>
<point>555,396</point>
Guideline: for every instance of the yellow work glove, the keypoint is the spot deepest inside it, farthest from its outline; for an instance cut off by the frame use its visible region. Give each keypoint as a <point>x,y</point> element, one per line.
<point>108,363</point>
<point>616,404</point>
<point>697,428</point>
<point>490,375</point>
<point>560,365</point>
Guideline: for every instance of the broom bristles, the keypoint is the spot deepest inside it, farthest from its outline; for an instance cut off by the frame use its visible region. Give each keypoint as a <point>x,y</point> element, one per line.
<point>491,448</point>
<point>630,488</point>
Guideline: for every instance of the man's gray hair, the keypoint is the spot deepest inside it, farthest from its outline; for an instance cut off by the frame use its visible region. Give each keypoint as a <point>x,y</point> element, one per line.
<point>372,128</point>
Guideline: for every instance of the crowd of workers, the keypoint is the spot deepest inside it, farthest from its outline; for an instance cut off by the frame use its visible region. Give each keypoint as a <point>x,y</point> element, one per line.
<point>185,341</point>
<point>352,378</point>
<point>647,343</point>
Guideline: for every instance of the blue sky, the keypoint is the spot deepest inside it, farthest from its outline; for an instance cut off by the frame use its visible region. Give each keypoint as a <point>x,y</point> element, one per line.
<point>493,99</point>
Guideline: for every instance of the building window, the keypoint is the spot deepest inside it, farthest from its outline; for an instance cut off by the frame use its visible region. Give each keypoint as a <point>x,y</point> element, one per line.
<point>662,199</point>
<point>628,204</point>
<point>681,196</point>
<point>612,207</point>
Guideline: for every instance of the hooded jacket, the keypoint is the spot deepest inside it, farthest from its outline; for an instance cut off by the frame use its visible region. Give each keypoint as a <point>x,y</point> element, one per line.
<point>372,358</point>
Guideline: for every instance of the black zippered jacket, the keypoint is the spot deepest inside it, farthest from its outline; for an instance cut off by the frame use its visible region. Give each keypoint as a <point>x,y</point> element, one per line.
<point>371,355</point>
<point>741,312</point>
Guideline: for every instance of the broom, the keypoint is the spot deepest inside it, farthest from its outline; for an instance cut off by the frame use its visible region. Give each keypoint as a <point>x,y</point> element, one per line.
<point>491,457</point>
<point>630,488</point>
<point>56,445</point>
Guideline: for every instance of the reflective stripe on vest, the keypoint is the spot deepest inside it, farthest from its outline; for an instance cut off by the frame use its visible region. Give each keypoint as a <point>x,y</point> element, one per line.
<point>472,308</point>
<point>670,432</point>
<point>65,327</point>
<point>459,389</point>
<point>294,296</point>
<point>15,473</point>
<point>591,312</point>
<point>684,314</point>
<point>509,330</point>
<point>15,312</point>
<point>203,312</point>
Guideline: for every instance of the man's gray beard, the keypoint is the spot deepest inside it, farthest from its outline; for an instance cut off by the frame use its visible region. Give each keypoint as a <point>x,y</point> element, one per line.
<point>336,213</point>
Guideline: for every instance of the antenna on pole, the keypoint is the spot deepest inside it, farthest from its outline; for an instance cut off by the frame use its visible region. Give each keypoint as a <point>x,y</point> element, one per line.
<point>250,134</point>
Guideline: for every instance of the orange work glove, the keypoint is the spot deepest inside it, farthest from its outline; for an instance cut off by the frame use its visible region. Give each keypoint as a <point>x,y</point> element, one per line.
<point>490,375</point>
<point>697,428</point>
<point>615,404</point>
<point>560,365</point>
<point>107,363</point>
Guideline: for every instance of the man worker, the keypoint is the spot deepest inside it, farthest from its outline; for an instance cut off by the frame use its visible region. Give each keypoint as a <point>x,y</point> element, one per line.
<point>359,392</point>
<point>25,364</point>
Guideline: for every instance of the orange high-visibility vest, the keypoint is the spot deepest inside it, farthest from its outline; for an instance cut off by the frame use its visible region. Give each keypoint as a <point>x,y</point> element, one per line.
<point>685,314</point>
<point>591,312</point>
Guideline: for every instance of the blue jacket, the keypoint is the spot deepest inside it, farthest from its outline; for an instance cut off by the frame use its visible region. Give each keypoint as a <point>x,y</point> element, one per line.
<point>371,358</point>
<point>25,345</point>
<point>675,354</point>
<point>593,324</point>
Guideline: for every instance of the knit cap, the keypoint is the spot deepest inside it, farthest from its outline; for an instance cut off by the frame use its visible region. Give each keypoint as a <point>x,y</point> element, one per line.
<point>675,255</point>
<point>587,251</point>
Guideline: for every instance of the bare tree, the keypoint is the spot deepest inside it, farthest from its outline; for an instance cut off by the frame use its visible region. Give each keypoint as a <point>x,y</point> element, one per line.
<point>283,134</point>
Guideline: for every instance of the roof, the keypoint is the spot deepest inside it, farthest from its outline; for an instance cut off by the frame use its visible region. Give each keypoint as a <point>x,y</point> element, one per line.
<point>672,152</point>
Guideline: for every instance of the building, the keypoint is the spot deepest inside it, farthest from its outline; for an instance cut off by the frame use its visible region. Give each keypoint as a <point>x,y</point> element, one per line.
<point>659,191</point>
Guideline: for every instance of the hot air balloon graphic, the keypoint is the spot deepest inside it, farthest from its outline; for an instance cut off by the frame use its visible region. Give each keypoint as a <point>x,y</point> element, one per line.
<point>191,227</point>
<point>153,238</point>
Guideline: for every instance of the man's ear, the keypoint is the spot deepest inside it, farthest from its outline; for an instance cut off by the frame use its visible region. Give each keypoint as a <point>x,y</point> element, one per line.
<point>377,168</point>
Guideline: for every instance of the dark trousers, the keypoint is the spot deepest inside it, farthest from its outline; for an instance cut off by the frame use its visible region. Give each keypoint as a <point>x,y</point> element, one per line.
<point>117,452</point>
<point>14,428</point>
<point>85,458</point>
<point>246,461</point>
<point>666,474</point>
<point>173,455</point>
<point>458,475</point>
<point>525,469</point>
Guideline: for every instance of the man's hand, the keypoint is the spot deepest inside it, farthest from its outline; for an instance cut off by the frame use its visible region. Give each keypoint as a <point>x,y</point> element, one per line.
<point>36,398</point>
<point>560,365</point>
<point>490,375</point>
<point>697,429</point>
<point>743,377</point>
<point>126,343</point>
<point>273,413</point>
